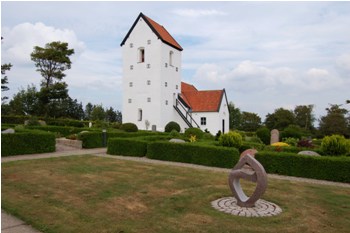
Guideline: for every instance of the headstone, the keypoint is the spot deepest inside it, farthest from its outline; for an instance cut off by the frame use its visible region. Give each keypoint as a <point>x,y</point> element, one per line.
<point>42,123</point>
<point>175,140</point>
<point>90,124</point>
<point>309,152</point>
<point>275,136</point>
<point>257,175</point>
<point>154,128</point>
<point>8,131</point>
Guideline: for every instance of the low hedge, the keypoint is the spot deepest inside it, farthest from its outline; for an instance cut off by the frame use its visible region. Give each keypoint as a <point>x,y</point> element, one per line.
<point>192,153</point>
<point>315,167</point>
<point>11,119</point>
<point>62,130</point>
<point>27,143</point>
<point>95,139</point>
<point>127,147</point>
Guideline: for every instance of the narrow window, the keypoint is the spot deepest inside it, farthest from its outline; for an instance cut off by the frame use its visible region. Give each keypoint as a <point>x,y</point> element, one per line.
<point>148,66</point>
<point>171,53</point>
<point>149,99</point>
<point>131,67</point>
<point>131,45</point>
<point>166,84</point>
<point>129,101</point>
<point>130,84</point>
<point>177,87</point>
<point>139,114</point>
<point>141,55</point>
<point>148,41</point>
<point>203,121</point>
<point>166,64</point>
<point>166,102</point>
<point>148,82</point>
<point>177,69</point>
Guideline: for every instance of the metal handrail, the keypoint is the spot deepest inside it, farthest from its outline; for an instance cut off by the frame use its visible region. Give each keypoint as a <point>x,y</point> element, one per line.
<point>187,112</point>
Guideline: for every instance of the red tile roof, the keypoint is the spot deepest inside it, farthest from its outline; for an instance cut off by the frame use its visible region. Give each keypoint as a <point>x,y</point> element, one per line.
<point>201,101</point>
<point>158,29</point>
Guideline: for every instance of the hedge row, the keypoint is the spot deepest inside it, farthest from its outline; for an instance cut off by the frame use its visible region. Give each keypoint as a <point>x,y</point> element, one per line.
<point>192,153</point>
<point>95,139</point>
<point>62,130</point>
<point>315,167</point>
<point>178,152</point>
<point>127,147</point>
<point>27,143</point>
<point>50,121</point>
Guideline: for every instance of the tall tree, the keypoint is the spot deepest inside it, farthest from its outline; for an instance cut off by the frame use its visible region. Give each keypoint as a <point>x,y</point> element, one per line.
<point>250,121</point>
<point>335,122</point>
<point>235,116</point>
<point>88,110</point>
<point>52,61</point>
<point>304,116</point>
<point>98,113</point>
<point>25,102</point>
<point>111,115</point>
<point>4,80</point>
<point>280,119</point>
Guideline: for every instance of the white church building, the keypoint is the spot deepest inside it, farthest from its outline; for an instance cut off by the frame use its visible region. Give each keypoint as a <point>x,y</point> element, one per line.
<point>153,94</point>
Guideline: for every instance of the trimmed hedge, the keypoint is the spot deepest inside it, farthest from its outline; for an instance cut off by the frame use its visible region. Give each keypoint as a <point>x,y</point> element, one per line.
<point>315,167</point>
<point>63,130</point>
<point>10,119</point>
<point>195,154</point>
<point>27,143</point>
<point>95,139</point>
<point>127,147</point>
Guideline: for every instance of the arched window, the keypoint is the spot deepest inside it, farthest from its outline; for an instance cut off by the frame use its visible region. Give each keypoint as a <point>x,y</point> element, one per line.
<point>171,54</point>
<point>139,114</point>
<point>141,54</point>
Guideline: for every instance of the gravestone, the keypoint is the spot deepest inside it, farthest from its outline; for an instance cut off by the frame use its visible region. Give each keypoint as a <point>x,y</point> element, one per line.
<point>275,136</point>
<point>154,128</point>
<point>309,152</point>
<point>175,140</point>
<point>8,131</point>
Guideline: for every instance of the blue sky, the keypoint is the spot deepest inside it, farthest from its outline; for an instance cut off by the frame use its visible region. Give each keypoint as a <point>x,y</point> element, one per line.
<point>265,54</point>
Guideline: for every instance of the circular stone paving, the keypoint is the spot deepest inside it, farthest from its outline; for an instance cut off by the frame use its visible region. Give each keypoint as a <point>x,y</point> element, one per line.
<point>262,208</point>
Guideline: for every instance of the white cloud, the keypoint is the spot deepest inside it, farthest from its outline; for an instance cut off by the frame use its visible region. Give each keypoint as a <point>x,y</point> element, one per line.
<point>198,12</point>
<point>19,41</point>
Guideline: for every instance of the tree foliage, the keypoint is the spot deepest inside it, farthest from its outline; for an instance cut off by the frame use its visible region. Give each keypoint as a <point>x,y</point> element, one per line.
<point>280,119</point>
<point>52,61</point>
<point>335,122</point>
<point>235,116</point>
<point>250,121</point>
<point>304,116</point>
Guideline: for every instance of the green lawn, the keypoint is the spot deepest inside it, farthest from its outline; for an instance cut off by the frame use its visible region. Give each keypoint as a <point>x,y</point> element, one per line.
<point>95,194</point>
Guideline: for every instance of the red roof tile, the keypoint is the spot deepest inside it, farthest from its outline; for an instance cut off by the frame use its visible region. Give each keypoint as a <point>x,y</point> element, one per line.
<point>201,101</point>
<point>158,29</point>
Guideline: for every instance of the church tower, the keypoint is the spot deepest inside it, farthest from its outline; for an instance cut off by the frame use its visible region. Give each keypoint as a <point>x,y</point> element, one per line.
<point>151,74</point>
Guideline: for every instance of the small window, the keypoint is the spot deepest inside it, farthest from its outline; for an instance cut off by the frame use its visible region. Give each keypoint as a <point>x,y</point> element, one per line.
<point>166,102</point>
<point>166,64</point>
<point>148,66</point>
<point>177,87</point>
<point>171,53</point>
<point>177,69</point>
<point>139,114</point>
<point>203,121</point>
<point>131,67</point>
<point>129,101</point>
<point>148,82</point>
<point>148,41</point>
<point>149,99</point>
<point>130,84</point>
<point>166,84</point>
<point>131,45</point>
<point>141,55</point>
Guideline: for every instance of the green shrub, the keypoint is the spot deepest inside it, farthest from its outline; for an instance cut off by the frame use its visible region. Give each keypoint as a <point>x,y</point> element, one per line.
<point>194,132</point>
<point>172,126</point>
<point>129,127</point>
<point>264,134</point>
<point>335,145</point>
<point>208,136</point>
<point>231,139</point>
<point>192,153</point>
<point>126,147</point>
<point>291,141</point>
<point>175,134</point>
<point>292,131</point>
<point>315,167</point>
<point>62,130</point>
<point>251,145</point>
<point>217,135</point>
<point>27,143</point>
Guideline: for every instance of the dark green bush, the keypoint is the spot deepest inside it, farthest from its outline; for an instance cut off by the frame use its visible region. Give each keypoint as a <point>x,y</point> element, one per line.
<point>172,125</point>
<point>27,143</point>
<point>62,130</point>
<point>129,127</point>
<point>292,131</point>
<point>194,132</point>
<point>251,145</point>
<point>127,147</point>
<point>264,134</point>
<point>315,167</point>
<point>192,153</point>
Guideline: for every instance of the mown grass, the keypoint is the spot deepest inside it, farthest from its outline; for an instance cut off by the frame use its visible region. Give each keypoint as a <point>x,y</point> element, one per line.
<point>94,194</point>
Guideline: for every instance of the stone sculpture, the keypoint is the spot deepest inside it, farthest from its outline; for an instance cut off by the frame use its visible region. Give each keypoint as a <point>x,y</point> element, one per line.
<point>255,174</point>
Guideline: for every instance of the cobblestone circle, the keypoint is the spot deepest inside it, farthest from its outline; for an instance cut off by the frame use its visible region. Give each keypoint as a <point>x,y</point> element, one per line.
<point>262,208</point>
